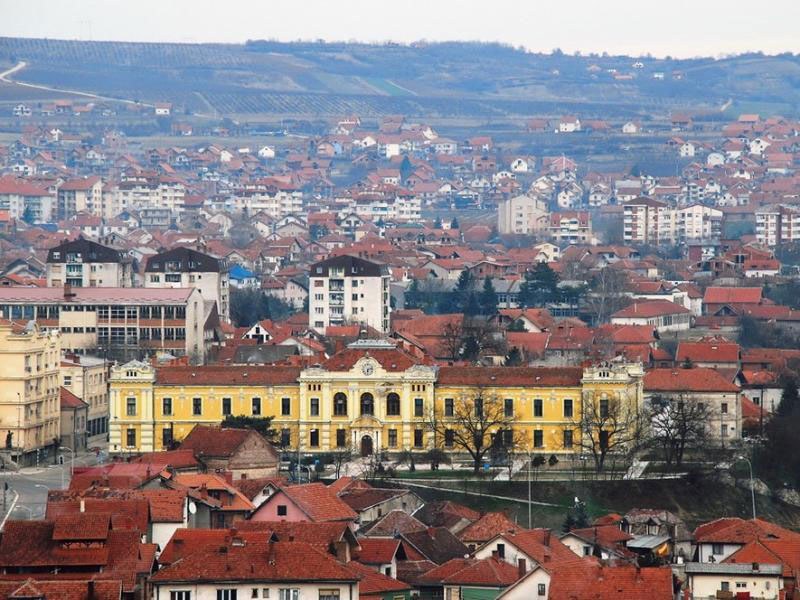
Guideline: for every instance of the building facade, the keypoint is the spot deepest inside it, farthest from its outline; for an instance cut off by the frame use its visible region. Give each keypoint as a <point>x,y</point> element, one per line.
<point>80,195</point>
<point>370,397</point>
<point>117,322</point>
<point>87,378</point>
<point>347,289</point>
<point>30,404</point>
<point>84,263</point>
<point>523,215</point>
<point>188,268</point>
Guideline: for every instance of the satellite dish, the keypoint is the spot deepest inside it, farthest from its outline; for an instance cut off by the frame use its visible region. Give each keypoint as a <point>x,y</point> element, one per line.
<point>192,508</point>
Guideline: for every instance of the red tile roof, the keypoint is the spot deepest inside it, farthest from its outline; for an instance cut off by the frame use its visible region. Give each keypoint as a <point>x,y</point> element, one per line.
<point>250,560</point>
<point>82,527</point>
<point>708,352</point>
<point>228,375</point>
<point>732,295</point>
<point>588,582</point>
<point>210,440</point>
<point>487,527</point>
<point>43,585</point>
<point>390,359</point>
<point>70,400</point>
<point>377,551</point>
<point>687,380</point>
<point>652,308</point>
<point>374,584</point>
<point>488,572</point>
<point>319,503</point>
<point>740,531</point>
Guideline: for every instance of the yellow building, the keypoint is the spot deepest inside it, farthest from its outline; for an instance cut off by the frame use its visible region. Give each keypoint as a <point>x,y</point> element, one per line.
<point>30,406</point>
<point>369,397</point>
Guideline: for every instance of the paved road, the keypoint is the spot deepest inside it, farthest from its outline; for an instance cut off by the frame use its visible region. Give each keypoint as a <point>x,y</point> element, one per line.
<point>18,67</point>
<point>27,494</point>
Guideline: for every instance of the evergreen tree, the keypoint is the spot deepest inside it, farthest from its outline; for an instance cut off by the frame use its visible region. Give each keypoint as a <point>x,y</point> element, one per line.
<point>438,223</point>
<point>472,307</point>
<point>488,298</point>
<point>581,518</point>
<point>471,349</point>
<point>539,287</point>
<point>454,223</point>
<point>513,358</point>
<point>465,282</point>
<point>412,295</point>
<point>569,523</point>
<point>790,399</point>
<point>406,168</point>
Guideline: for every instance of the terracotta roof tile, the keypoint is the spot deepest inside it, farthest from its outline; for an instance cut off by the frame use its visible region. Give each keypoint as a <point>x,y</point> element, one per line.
<point>395,522</point>
<point>487,527</point>
<point>687,380</point>
<point>377,551</point>
<point>228,375</point>
<point>319,503</point>
<point>511,376</point>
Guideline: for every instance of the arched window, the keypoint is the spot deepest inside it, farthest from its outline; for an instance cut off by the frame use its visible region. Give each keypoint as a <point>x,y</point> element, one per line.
<point>393,405</point>
<point>340,405</point>
<point>367,404</point>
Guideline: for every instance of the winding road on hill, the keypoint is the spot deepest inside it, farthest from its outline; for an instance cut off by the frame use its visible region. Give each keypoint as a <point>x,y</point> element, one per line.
<point>4,77</point>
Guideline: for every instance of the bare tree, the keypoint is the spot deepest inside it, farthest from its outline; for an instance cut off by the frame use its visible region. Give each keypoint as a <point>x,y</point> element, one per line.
<point>677,424</point>
<point>340,457</point>
<point>608,426</point>
<point>467,338</point>
<point>475,423</point>
<point>607,293</point>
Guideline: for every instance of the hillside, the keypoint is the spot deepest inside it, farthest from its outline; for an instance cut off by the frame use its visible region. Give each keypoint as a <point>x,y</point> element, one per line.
<point>453,79</point>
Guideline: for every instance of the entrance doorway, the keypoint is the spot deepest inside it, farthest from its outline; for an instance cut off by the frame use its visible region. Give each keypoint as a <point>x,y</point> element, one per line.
<point>366,446</point>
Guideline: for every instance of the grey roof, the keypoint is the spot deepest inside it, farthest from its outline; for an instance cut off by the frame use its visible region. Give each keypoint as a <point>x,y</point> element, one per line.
<point>734,568</point>
<point>647,542</point>
<point>262,354</point>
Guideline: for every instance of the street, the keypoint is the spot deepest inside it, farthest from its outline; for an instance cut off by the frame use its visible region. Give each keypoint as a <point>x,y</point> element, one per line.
<point>26,497</point>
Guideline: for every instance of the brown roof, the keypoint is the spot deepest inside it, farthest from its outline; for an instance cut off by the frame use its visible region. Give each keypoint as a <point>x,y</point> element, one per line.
<point>362,499</point>
<point>436,544</point>
<point>390,359</point>
<point>732,295</point>
<point>486,572</point>
<point>487,527</point>
<point>653,308</point>
<point>209,440</point>
<point>70,400</point>
<point>395,522</point>
<point>228,375</point>
<point>511,376</point>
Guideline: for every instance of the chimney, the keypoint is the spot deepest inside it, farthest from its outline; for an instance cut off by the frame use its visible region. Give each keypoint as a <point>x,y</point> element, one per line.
<point>68,293</point>
<point>546,541</point>
<point>90,590</point>
<point>521,569</point>
<point>83,505</point>
<point>495,554</point>
<point>755,566</point>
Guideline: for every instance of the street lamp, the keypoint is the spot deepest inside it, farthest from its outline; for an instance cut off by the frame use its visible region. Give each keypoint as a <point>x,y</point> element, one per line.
<point>752,487</point>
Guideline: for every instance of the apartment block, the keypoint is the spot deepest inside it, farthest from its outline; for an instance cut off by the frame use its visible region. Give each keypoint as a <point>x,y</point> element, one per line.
<point>188,268</point>
<point>777,224</point>
<point>347,289</point>
<point>84,263</point>
<point>523,215</point>
<point>80,195</point>
<point>30,406</point>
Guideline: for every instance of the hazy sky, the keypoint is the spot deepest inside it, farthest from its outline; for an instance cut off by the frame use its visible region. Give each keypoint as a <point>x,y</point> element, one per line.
<point>661,27</point>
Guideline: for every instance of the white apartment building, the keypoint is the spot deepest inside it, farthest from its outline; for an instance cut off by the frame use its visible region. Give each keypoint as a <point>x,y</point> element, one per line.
<point>84,263</point>
<point>650,221</point>
<point>570,227</point>
<point>275,200</point>
<point>80,195</point>
<point>347,289</point>
<point>147,190</point>
<point>522,215</point>
<point>777,224</point>
<point>187,268</point>
<point>24,200</point>
<point>647,221</point>
<point>373,206</point>
<point>697,223</point>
